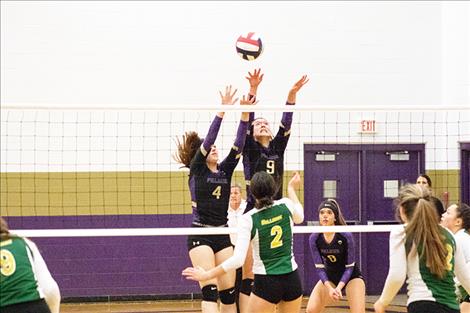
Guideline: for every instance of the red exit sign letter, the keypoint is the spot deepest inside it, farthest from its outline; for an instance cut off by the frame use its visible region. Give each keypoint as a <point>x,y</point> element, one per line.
<point>368,127</point>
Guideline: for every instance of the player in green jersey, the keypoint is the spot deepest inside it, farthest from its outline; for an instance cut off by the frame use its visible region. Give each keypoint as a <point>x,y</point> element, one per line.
<point>26,286</point>
<point>269,228</point>
<point>427,254</point>
<point>457,220</point>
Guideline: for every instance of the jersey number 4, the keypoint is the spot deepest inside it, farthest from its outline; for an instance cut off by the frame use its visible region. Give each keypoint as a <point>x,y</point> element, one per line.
<point>217,192</point>
<point>276,231</point>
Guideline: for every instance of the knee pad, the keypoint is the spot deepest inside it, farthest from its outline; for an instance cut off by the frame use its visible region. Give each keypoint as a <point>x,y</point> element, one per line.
<point>247,285</point>
<point>227,296</point>
<point>210,293</point>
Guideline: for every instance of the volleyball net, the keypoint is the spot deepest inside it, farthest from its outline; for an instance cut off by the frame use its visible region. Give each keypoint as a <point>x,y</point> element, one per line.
<point>113,163</point>
<point>99,191</point>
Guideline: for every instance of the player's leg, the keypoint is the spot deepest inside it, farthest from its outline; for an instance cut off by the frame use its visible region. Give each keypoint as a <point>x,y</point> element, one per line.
<point>260,305</point>
<point>247,281</point>
<point>356,293</point>
<point>203,256</point>
<point>465,306</point>
<point>290,306</point>
<point>226,283</point>
<point>319,298</point>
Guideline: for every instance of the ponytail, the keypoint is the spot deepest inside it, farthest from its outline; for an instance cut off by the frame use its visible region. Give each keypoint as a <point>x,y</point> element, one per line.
<point>187,148</point>
<point>423,232</point>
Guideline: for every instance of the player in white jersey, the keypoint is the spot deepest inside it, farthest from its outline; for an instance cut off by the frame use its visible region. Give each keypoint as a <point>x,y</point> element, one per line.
<point>427,253</point>
<point>457,219</point>
<point>269,227</point>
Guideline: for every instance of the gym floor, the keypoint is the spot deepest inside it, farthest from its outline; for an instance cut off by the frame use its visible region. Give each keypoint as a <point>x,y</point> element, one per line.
<point>193,306</point>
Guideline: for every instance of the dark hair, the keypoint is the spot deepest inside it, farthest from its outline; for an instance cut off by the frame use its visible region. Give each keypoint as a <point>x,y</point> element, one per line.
<point>333,205</point>
<point>263,188</point>
<point>438,205</point>
<point>428,179</point>
<point>423,232</point>
<point>187,148</point>
<point>463,211</point>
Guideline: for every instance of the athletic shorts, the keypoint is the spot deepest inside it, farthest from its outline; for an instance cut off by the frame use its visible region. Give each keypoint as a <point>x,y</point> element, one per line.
<point>335,277</point>
<point>216,242</point>
<point>37,306</point>
<point>429,306</point>
<point>274,288</point>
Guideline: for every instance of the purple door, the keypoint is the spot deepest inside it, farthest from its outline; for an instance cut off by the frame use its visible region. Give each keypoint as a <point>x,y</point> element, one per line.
<point>332,171</point>
<point>388,167</point>
<point>465,172</point>
<point>364,179</point>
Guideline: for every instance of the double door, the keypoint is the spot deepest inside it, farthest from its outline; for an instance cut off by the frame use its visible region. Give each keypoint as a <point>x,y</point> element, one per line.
<point>364,179</point>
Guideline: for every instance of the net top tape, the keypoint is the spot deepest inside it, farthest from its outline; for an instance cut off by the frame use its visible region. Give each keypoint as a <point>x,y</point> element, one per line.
<point>127,232</point>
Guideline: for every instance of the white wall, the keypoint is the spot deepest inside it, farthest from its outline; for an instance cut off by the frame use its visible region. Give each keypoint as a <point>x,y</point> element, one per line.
<point>154,53</point>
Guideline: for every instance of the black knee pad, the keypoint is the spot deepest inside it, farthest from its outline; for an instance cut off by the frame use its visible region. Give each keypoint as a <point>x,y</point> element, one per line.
<point>247,285</point>
<point>227,296</point>
<point>210,293</point>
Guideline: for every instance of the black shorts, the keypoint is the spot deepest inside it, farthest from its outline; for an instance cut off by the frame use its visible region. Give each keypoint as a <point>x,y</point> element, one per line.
<point>335,277</point>
<point>274,288</point>
<point>37,306</point>
<point>216,242</point>
<point>429,306</point>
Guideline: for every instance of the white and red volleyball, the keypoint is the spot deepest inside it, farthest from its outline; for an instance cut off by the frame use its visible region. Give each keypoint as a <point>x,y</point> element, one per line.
<point>249,46</point>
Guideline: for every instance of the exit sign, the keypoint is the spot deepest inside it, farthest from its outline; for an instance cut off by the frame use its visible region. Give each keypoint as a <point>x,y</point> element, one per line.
<point>368,127</point>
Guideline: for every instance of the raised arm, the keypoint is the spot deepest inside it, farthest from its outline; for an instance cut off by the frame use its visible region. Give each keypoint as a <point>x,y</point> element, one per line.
<point>294,184</point>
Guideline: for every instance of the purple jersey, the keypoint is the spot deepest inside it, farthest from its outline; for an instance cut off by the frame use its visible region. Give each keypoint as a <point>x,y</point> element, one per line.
<point>210,192</point>
<point>334,261</point>
<point>257,158</point>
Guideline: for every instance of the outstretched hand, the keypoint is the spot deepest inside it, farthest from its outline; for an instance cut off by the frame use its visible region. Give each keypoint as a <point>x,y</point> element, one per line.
<point>245,100</point>
<point>194,273</point>
<point>227,97</point>
<point>255,78</point>
<point>295,181</point>
<point>299,84</point>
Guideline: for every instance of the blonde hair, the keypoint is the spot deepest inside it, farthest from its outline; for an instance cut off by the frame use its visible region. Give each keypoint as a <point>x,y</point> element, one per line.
<point>423,232</point>
<point>4,230</point>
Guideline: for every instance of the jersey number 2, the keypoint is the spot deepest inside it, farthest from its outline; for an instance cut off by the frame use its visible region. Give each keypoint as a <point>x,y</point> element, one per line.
<point>276,231</point>
<point>7,263</point>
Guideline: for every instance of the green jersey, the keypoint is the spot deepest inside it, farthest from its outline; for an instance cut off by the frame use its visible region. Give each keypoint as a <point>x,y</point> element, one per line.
<point>272,238</point>
<point>18,281</point>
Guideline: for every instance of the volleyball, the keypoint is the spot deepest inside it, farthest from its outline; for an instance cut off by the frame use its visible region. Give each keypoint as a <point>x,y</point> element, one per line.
<point>249,46</point>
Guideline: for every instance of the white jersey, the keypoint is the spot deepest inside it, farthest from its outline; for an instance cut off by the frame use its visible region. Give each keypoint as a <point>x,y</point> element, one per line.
<point>463,242</point>
<point>233,216</point>
<point>422,285</point>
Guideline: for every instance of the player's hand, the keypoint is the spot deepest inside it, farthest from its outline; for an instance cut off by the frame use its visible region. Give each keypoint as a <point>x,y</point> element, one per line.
<point>333,293</point>
<point>247,101</point>
<point>255,78</point>
<point>339,292</point>
<point>299,84</point>
<point>227,97</point>
<point>294,182</point>
<point>379,307</point>
<point>195,273</point>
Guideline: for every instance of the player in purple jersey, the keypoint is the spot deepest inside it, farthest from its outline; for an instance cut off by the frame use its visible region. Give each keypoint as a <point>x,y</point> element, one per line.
<point>263,152</point>
<point>333,255</point>
<point>209,184</point>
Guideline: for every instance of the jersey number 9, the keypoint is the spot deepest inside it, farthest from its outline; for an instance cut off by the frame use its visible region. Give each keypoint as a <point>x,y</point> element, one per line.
<point>270,166</point>
<point>7,263</point>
